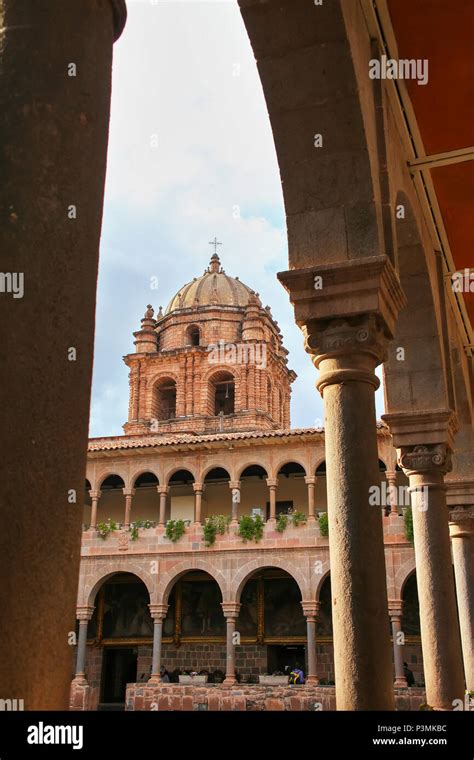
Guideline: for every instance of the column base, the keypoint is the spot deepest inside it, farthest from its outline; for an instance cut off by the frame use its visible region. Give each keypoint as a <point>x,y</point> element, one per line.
<point>154,679</point>
<point>80,680</point>
<point>311,518</point>
<point>229,680</point>
<point>400,683</point>
<point>312,681</point>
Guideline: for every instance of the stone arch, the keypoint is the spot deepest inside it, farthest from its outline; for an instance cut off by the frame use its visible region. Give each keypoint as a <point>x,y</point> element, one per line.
<point>414,373</point>
<point>161,375</point>
<point>322,577</point>
<point>176,468</point>
<point>219,375</point>
<point>215,466</point>
<point>141,471</point>
<point>289,460</point>
<point>168,580</point>
<point>332,195</point>
<point>252,463</point>
<point>104,474</point>
<point>246,571</point>
<point>89,591</point>
<point>402,575</point>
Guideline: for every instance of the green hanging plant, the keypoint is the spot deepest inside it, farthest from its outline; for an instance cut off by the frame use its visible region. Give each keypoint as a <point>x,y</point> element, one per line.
<point>104,528</point>
<point>408,518</point>
<point>298,518</point>
<point>251,528</point>
<point>136,525</point>
<point>175,529</point>
<point>215,524</point>
<point>282,523</point>
<point>324,524</point>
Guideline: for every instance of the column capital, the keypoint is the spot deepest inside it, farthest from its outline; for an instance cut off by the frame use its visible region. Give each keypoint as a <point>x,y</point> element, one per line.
<point>422,428</point>
<point>158,611</point>
<point>345,289</point>
<point>391,475</point>
<point>95,494</point>
<point>84,612</point>
<point>198,487</point>
<point>459,493</point>
<point>425,458</point>
<point>119,10</point>
<point>129,492</point>
<point>231,609</point>
<point>395,608</point>
<point>163,489</point>
<point>234,484</point>
<point>461,523</point>
<point>310,608</point>
<point>310,480</point>
<point>272,482</point>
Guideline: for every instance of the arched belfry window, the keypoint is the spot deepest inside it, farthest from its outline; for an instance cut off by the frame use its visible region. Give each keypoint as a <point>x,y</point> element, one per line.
<point>193,336</point>
<point>222,393</point>
<point>164,402</point>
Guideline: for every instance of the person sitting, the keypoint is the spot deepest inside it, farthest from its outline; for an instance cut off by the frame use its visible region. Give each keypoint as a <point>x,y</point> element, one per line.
<point>296,676</point>
<point>165,676</point>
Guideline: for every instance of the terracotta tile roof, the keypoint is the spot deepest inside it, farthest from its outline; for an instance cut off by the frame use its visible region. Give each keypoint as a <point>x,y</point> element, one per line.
<point>147,441</point>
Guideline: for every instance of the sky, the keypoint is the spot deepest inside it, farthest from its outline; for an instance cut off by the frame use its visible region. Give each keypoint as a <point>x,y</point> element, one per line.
<point>191,156</point>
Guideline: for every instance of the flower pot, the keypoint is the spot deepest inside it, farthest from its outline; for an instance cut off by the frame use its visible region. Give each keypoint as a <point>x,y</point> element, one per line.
<point>193,680</point>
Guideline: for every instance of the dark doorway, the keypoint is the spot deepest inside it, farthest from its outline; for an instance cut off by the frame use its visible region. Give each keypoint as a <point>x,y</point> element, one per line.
<point>281,656</point>
<point>119,668</point>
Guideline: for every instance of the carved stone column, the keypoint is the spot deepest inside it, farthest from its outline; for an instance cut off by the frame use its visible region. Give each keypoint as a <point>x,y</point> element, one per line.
<point>310,611</point>
<point>311,483</point>
<point>425,465</point>
<point>272,486</point>
<point>395,612</point>
<point>163,491</point>
<point>158,613</point>
<point>461,528</point>
<point>347,312</point>
<point>95,496</point>
<point>198,491</point>
<point>234,485</point>
<point>83,614</point>
<point>231,612</point>
<point>129,494</point>
<point>391,476</point>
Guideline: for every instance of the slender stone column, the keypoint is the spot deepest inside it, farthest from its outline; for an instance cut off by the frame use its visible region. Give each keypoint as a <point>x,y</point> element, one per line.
<point>391,476</point>
<point>310,611</point>
<point>347,312</point>
<point>311,483</point>
<point>231,612</point>
<point>461,528</point>
<point>234,485</point>
<point>158,613</point>
<point>198,491</point>
<point>425,466</point>
<point>395,612</point>
<point>83,614</point>
<point>163,491</point>
<point>128,493</point>
<point>95,496</point>
<point>272,485</point>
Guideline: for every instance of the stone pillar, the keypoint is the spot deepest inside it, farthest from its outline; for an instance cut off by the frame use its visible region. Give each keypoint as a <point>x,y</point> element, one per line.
<point>461,528</point>
<point>311,483</point>
<point>347,312</point>
<point>95,496</point>
<point>54,132</point>
<point>128,493</point>
<point>83,614</point>
<point>163,491</point>
<point>272,484</point>
<point>231,613</point>
<point>392,492</point>
<point>310,611</point>
<point>158,613</point>
<point>425,465</point>
<point>198,491</point>
<point>395,612</point>
<point>234,485</point>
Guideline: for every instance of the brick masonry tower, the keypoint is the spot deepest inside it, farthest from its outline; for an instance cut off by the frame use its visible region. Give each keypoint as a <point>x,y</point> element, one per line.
<point>213,361</point>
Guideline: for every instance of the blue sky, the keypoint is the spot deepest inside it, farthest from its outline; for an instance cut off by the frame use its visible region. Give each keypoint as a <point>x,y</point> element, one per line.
<point>191,156</point>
